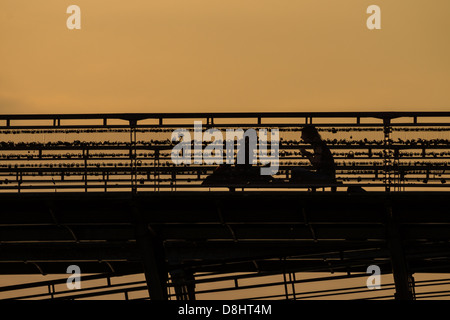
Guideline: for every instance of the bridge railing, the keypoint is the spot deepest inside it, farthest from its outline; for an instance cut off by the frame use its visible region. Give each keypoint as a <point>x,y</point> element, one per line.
<point>389,151</point>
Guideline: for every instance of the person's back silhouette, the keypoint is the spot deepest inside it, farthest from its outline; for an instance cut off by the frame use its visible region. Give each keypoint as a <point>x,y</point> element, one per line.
<point>322,161</point>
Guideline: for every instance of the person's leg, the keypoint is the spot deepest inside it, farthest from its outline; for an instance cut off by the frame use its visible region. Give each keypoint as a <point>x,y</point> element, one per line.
<point>302,175</point>
<point>306,176</point>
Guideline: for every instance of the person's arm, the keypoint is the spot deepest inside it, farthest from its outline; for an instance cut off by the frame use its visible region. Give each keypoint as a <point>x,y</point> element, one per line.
<point>307,154</point>
<point>313,158</point>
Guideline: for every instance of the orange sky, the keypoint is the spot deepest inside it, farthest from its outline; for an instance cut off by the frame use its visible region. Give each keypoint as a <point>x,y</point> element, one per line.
<point>217,55</point>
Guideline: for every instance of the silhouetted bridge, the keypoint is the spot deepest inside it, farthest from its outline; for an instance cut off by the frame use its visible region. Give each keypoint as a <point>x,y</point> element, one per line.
<point>100,191</point>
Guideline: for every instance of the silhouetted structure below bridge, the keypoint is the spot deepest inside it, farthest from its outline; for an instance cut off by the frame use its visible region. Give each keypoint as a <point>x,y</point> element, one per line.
<point>117,206</point>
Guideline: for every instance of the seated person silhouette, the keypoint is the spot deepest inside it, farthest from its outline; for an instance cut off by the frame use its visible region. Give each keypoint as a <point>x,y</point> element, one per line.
<point>237,174</point>
<point>243,174</point>
<point>324,170</point>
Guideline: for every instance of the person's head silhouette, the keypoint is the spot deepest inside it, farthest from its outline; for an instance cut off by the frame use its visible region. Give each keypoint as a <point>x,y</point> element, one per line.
<point>310,134</point>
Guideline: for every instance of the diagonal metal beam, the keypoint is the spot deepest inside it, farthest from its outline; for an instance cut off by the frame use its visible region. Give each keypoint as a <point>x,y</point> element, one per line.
<point>404,282</point>
<point>152,257</point>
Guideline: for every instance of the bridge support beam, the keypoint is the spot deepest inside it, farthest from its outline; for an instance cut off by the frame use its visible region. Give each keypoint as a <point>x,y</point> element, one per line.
<point>153,259</point>
<point>404,283</point>
<point>184,285</point>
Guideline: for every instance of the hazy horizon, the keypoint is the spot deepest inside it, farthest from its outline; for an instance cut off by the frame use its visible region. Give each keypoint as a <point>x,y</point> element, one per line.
<point>203,56</point>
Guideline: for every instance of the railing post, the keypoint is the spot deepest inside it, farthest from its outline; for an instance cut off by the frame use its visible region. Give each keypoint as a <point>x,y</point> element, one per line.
<point>387,153</point>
